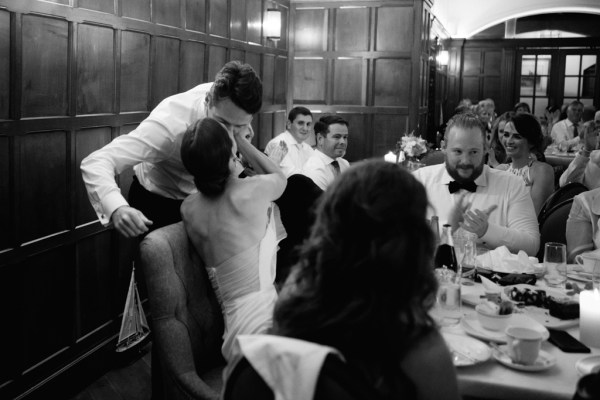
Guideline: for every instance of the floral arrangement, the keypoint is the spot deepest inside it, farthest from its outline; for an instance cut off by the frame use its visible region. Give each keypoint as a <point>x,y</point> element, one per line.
<point>412,146</point>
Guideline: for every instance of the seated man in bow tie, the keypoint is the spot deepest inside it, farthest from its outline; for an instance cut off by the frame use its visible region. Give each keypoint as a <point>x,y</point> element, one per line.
<point>467,194</point>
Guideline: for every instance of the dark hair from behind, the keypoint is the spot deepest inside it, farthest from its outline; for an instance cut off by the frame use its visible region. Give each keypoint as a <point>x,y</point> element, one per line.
<point>206,150</point>
<point>522,105</point>
<point>322,125</point>
<point>294,112</point>
<point>528,126</point>
<point>239,83</point>
<point>465,120</point>
<point>364,280</point>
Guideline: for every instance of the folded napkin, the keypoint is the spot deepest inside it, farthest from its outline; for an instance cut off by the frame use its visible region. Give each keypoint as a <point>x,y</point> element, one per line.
<point>502,260</point>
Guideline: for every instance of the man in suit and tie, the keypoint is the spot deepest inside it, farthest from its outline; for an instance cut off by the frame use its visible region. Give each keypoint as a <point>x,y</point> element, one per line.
<point>326,163</point>
<point>565,133</point>
<point>466,193</point>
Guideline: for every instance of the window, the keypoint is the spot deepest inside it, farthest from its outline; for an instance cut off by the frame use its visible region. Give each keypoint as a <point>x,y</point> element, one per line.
<point>535,75</point>
<point>580,78</point>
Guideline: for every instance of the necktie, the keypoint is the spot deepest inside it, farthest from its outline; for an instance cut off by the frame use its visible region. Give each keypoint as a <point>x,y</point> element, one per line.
<point>454,186</point>
<point>336,167</point>
<point>575,133</point>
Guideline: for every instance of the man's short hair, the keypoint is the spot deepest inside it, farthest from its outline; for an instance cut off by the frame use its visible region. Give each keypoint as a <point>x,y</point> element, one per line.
<point>575,103</point>
<point>465,120</point>
<point>322,125</point>
<point>294,112</point>
<point>239,83</point>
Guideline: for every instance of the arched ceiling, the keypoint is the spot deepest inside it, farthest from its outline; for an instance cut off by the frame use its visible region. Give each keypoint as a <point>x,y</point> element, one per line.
<point>465,18</point>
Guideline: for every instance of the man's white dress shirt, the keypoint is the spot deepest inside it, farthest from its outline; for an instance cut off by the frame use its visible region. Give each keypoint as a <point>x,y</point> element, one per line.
<point>564,130</point>
<point>297,155</point>
<point>319,168</point>
<point>513,224</point>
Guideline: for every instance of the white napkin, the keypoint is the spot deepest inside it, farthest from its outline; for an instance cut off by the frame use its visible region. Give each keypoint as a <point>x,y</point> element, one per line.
<point>502,260</point>
<point>489,286</point>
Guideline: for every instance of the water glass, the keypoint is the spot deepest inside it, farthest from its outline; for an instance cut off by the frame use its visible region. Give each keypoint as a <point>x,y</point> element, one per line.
<point>447,310</point>
<point>465,246</point>
<point>555,262</point>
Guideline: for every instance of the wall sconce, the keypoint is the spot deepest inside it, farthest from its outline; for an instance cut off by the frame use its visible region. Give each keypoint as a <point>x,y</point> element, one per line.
<point>272,24</point>
<point>443,57</point>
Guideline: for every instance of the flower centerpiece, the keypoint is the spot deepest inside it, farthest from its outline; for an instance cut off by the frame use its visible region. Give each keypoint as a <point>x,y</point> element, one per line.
<point>413,147</point>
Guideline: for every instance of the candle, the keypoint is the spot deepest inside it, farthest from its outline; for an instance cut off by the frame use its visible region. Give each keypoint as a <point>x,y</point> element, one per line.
<point>390,157</point>
<point>589,317</point>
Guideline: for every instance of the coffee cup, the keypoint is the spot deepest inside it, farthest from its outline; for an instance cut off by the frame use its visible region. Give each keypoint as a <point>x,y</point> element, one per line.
<point>588,261</point>
<point>523,344</point>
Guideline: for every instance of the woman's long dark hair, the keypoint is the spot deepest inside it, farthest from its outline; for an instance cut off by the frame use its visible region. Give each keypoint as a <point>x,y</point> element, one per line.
<point>528,126</point>
<point>364,280</point>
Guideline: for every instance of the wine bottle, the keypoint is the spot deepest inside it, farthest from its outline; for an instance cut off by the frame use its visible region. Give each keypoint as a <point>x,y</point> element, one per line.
<point>435,227</point>
<point>445,254</point>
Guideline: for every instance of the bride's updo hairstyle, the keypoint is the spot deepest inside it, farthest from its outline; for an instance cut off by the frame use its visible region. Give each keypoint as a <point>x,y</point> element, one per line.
<point>206,150</point>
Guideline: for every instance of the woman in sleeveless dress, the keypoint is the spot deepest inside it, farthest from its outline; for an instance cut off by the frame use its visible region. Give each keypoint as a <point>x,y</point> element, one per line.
<point>234,224</point>
<point>524,145</point>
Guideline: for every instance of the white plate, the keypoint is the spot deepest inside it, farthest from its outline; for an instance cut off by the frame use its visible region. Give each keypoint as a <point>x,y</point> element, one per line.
<point>545,361</point>
<point>465,350</point>
<point>588,365</point>
<point>471,325</point>
<point>580,276</point>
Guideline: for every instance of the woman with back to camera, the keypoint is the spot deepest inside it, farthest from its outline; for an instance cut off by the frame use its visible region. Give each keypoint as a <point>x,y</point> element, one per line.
<point>364,284</point>
<point>523,142</point>
<point>233,224</point>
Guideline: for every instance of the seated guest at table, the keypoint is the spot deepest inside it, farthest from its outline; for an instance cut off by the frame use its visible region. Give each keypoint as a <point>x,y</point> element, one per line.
<point>364,284</point>
<point>233,223</point>
<point>585,167</point>
<point>465,192</point>
<point>522,137</point>
<point>565,133</point>
<point>327,163</point>
<point>521,108</point>
<point>552,114</point>
<point>298,129</point>
<point>583,231</point>
<point>496,153</point>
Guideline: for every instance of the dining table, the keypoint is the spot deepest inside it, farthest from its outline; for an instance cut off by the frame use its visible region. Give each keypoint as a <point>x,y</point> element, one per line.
<point>558,158</point>
<point>490,379</point>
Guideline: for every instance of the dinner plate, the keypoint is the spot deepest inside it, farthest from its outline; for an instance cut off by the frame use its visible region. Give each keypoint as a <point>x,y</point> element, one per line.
<point>580,276</point>
<point>466,350</point>
<point>588,365</point>
<point>545,361</point>
<point>471,325</point>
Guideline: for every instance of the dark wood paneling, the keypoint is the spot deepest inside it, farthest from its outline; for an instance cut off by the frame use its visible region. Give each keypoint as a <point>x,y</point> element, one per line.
<point>107,6</point>
<point>167,12</point>
<point>238,19</point>
<point>280,80</point>
<point>195,15</point>
<point>309,81</point>
<point>279,119</point>
<point>491,87</point>
<point>166,68</point>
<point>192,65</point>
<point>48,302</point>
<point>45,48</point>
<point>472,62</point>
<point>492,62</point>
<point>387,130</point>
<point>352,29</point>
<point>348,81</point>
<point>254,21</point>
<point>42,184</point>
<point>4,63</point>
<point>5,208</point>
<point>310,30</point>
<point>236,54</point>
<point>268,71</point>
<point>95,70</point>
<point>12,322</point>
<point>216,59</point>
<point>266,130</point>
<point>357,139</point>
<point>392,82</point>
<point>94,284</point>
<point>135,69</point>
<point>138,9</point>
<point>219,22</point>
<point>86,141</point>
<point>470,88</point>
<point>395,29</point>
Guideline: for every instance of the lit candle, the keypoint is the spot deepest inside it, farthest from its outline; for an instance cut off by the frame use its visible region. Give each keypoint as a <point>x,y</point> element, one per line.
<point>589,317</point>
<point>390,157</point>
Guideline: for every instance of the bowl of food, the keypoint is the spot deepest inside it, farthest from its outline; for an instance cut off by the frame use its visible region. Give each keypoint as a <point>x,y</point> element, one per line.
<point>494,316</point>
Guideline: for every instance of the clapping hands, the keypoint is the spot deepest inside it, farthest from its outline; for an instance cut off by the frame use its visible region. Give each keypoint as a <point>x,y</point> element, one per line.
<point>472,220</point>
<point>279,152</point>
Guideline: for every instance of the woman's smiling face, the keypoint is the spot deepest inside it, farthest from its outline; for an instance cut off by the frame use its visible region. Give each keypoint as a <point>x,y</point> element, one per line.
<point>515,144</point>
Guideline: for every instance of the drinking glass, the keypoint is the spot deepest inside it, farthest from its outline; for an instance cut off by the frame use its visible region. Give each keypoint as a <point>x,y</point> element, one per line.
<point>555,262</point>
<point>465,246</point>
<point>447,310</point>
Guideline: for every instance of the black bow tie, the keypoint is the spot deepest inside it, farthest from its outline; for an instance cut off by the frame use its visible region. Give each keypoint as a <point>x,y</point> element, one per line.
<point>454,186</point>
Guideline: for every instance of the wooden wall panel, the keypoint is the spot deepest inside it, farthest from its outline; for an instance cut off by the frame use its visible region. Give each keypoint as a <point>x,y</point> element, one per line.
<point>126,177</point>
<point>283,42</point>
<point>268,70</point>
<point>48,302</point>
<point>254,21</point>
<point>4,63</point>
<point>351,29</point>
<point>86,141</point>
<point>95,70</point>
<point>135,69</point>
<point>107,6</point>
<point>59,1</point>
<point>253,59</point>
<point>95,282</point>
<point>279,119</point>
<point>395,29</point>
<point>45,49</point>
<point>470,88</point>
<point>492,62</point>
<point>309,81</point>
<point>348,81</point>
<point>238,19</point>
<point>192,65</point>
<point>387,130</point>
<point>358,139</point>
<point>392,82</point>
<point>217,57</point>
<point>12,321</point>
<point>165,73</point>
<point>280,80</point>
<point>195,15</point>
<point>310,32</point>
<point>5,207</point>
<point>138,9</point>
<point>266,130</point>
<point>42,184</point>
<point>167,12</point>
<point>237,54</point>
<point>219,22</point>
<point>491,88</point>
<point>472,62</point>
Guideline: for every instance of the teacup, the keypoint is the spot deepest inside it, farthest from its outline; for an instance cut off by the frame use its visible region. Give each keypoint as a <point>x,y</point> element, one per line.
<point>588,262</point>
<point>523,344</point>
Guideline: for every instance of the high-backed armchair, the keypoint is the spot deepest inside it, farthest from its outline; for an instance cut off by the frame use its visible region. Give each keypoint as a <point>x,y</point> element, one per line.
<point>186,320</point>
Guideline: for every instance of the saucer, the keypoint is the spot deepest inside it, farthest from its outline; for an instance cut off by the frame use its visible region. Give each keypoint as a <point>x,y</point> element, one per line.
<point>588,365</point>
<point>466,350</point>
<point>545,361</point>
<point>471,325</point>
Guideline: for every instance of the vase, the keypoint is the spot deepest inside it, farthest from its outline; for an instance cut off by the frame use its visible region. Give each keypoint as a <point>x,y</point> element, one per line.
<point>412,163</point>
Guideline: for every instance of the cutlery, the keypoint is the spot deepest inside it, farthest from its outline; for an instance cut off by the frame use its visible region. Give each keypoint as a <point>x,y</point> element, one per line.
<point>457,354</point>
